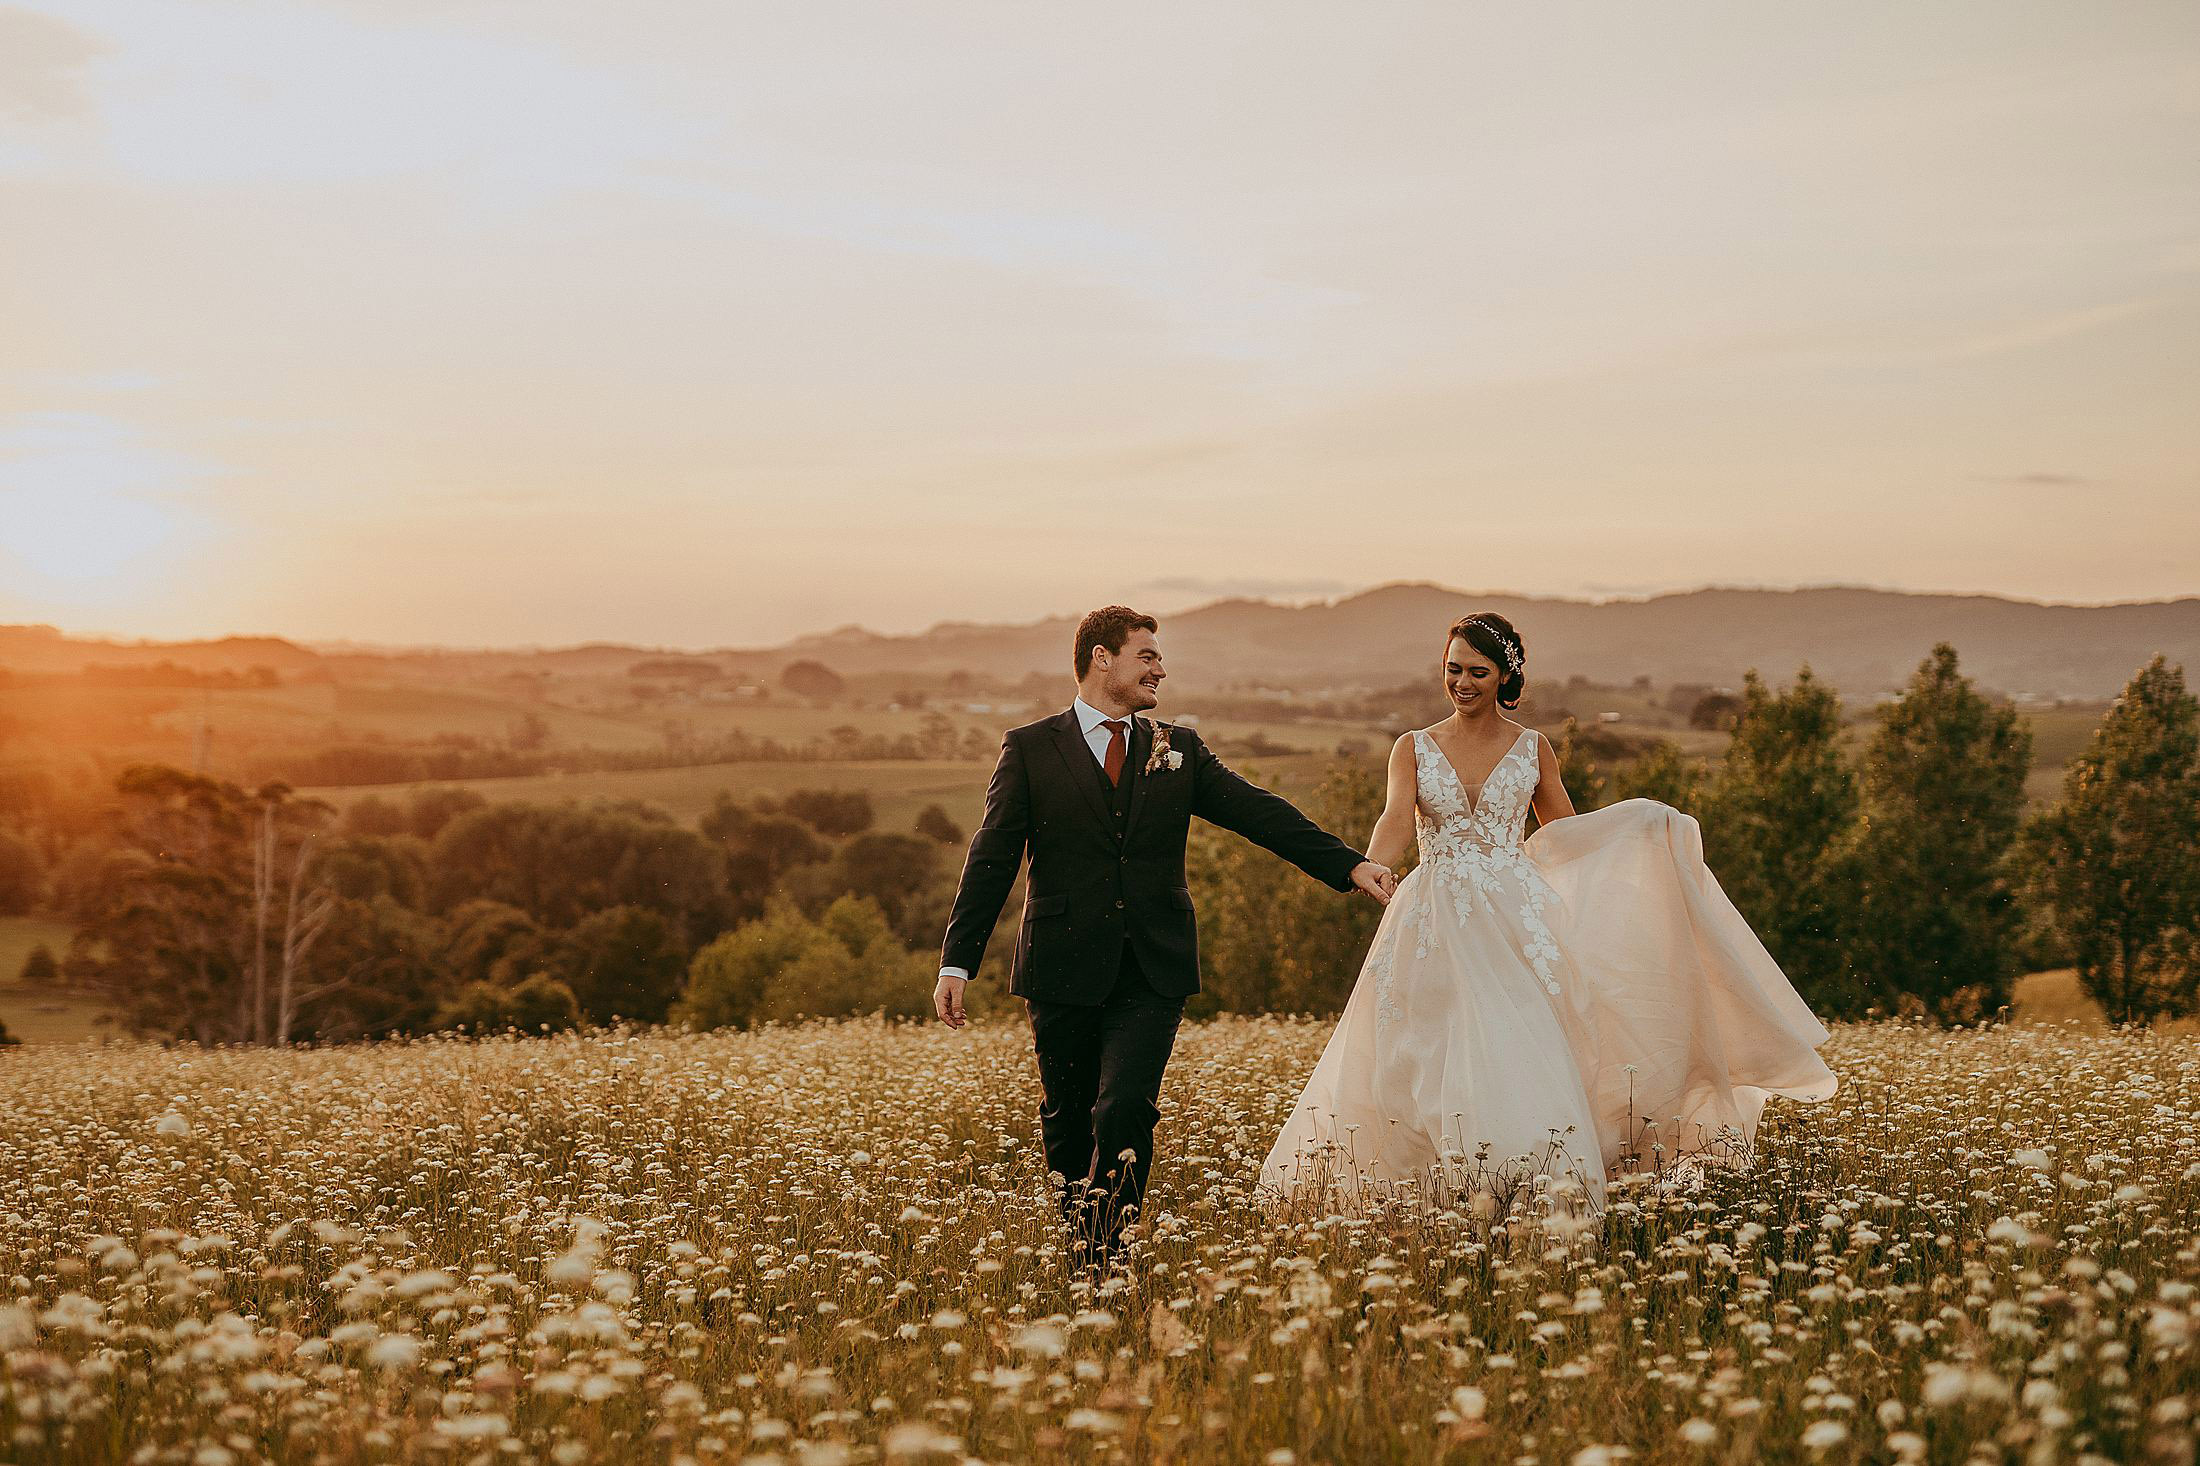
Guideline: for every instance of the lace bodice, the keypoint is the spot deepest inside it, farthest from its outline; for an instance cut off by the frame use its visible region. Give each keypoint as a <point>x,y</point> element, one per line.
<point>1471,857</point>
<point>1453,820</point>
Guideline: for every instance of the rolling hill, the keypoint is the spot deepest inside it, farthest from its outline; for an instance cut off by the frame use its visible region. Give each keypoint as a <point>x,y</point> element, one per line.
<point>1864,641</point>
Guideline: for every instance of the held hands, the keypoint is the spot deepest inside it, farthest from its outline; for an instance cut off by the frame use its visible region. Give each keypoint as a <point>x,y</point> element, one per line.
<point>1379,881</point>
<point>947,1000</point>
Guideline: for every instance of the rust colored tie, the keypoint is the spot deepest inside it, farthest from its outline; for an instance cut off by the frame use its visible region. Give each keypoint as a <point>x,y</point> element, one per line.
<point>1118,744</point>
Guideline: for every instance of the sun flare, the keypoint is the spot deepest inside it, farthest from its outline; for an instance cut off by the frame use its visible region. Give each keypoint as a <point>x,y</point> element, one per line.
<point>78,538</point>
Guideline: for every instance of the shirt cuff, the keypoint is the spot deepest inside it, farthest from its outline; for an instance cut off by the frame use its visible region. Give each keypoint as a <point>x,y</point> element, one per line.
<point>955,972</point>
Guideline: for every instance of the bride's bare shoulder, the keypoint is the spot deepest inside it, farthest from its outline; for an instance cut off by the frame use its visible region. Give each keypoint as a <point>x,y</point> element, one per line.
<point>1544,753</point>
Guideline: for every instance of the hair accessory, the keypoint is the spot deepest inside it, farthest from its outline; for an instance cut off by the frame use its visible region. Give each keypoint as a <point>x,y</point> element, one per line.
<point>1505,644</point>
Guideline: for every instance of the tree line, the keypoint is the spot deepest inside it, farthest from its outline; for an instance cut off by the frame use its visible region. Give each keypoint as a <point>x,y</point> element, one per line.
<point>1912,882</point>
<point>208,912</point>
<point>1907,881</point>
<point>463,756</point>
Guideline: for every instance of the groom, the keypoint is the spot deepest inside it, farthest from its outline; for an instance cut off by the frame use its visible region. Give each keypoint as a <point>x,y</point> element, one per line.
<point>1108,952</point>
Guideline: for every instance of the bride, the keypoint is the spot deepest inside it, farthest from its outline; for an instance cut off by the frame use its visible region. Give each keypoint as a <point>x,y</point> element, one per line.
<point>1538,1013</point>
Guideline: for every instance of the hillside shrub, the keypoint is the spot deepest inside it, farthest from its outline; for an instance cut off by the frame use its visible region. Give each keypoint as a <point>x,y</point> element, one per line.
<point>787,966</point>
<point>535,1004</point>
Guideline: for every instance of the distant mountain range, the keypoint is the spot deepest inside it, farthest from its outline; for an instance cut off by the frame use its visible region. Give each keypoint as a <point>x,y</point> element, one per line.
<point>1864,641</point>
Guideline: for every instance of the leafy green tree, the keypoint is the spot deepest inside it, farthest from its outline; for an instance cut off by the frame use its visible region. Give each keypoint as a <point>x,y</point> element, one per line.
<point>199,917</point>
<point>856,924</point>
<point>361,867</point>
<point>40,970</point>
<point>1270,940</point>
<point>535,1004</point>
<point>373,815</point>
<point>854,965</point>
<point>2118,860</point>
<point>488,941</point>
<point>761,850</point>
<point>559,863</point>
<point>895,871</point>
<point>725,818</point>
<point>391,958</point>
<point>1943,798</point>
<point>812,679</point>
<point>1777,819</point>
<point>934,823</point>
<point>1717,711</point>
<point>831,811</point>
<point>1664,774</point>
<point>727,978</point>
<point>624,962</point>
<point>787,966</point>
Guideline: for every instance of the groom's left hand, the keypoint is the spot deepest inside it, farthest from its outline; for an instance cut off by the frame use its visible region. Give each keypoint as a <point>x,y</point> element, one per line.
<point>1376,880</point>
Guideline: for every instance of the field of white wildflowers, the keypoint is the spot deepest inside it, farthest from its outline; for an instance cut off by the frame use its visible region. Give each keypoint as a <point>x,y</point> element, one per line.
<point>832,1244</point>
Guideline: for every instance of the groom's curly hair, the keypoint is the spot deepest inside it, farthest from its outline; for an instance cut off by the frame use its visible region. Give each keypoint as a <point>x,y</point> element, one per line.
<point>1493,636</point>
<point>1110,626</point>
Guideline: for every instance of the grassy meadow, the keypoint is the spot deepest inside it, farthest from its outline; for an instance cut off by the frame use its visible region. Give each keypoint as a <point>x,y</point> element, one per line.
<point>831,1244</point>
<point>899,788</point>
<point>46,1016</point>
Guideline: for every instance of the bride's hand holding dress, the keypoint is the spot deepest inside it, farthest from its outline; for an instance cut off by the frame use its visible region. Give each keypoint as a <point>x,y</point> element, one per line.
<point>1450,1069</point>
<point>1576,1003</point>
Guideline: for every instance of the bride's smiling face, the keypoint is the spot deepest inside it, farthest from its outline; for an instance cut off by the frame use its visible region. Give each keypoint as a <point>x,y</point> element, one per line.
<point>1470,679</point>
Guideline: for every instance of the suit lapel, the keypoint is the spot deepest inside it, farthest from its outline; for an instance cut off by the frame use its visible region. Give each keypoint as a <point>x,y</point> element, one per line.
<point>1134,768</point>
<point>1084,769</point>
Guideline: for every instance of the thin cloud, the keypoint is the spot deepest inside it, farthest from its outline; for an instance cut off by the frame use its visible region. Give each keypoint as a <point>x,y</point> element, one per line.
<point>2052,327</point>
<point>2041,479</point>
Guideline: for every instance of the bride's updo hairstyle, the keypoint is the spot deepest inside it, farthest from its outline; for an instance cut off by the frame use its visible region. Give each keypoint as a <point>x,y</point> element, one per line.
<point>1493,636</point>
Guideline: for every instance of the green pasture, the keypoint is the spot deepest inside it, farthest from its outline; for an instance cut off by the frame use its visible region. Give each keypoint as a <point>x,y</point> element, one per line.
<point>333,713</point>
<point>2058,736</point>
<point>180,724</point>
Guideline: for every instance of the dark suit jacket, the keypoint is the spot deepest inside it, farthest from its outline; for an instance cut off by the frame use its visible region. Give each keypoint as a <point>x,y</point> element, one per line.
<point>1107,865</point>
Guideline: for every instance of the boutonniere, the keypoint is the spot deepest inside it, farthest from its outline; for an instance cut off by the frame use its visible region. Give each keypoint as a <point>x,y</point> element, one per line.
<point>1163,755</point>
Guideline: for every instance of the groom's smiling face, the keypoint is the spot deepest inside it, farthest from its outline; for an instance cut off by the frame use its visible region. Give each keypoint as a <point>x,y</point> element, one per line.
<point>1132,676</point>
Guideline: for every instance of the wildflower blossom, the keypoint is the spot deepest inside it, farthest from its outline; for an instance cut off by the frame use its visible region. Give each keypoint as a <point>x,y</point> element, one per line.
<point>552,1248</point>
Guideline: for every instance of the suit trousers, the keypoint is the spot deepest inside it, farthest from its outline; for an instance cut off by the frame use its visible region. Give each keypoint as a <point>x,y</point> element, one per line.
<point>1100,1077</point>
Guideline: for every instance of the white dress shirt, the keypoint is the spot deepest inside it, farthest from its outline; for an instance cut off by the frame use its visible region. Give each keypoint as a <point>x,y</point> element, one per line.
<point>1091,720</point>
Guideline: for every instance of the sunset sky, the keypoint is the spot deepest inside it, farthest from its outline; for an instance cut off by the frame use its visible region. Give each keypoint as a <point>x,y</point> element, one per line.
<point>709,323</point>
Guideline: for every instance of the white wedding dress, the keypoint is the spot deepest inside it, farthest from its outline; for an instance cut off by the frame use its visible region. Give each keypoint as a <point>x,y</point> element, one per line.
<point>1539,1013</point>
